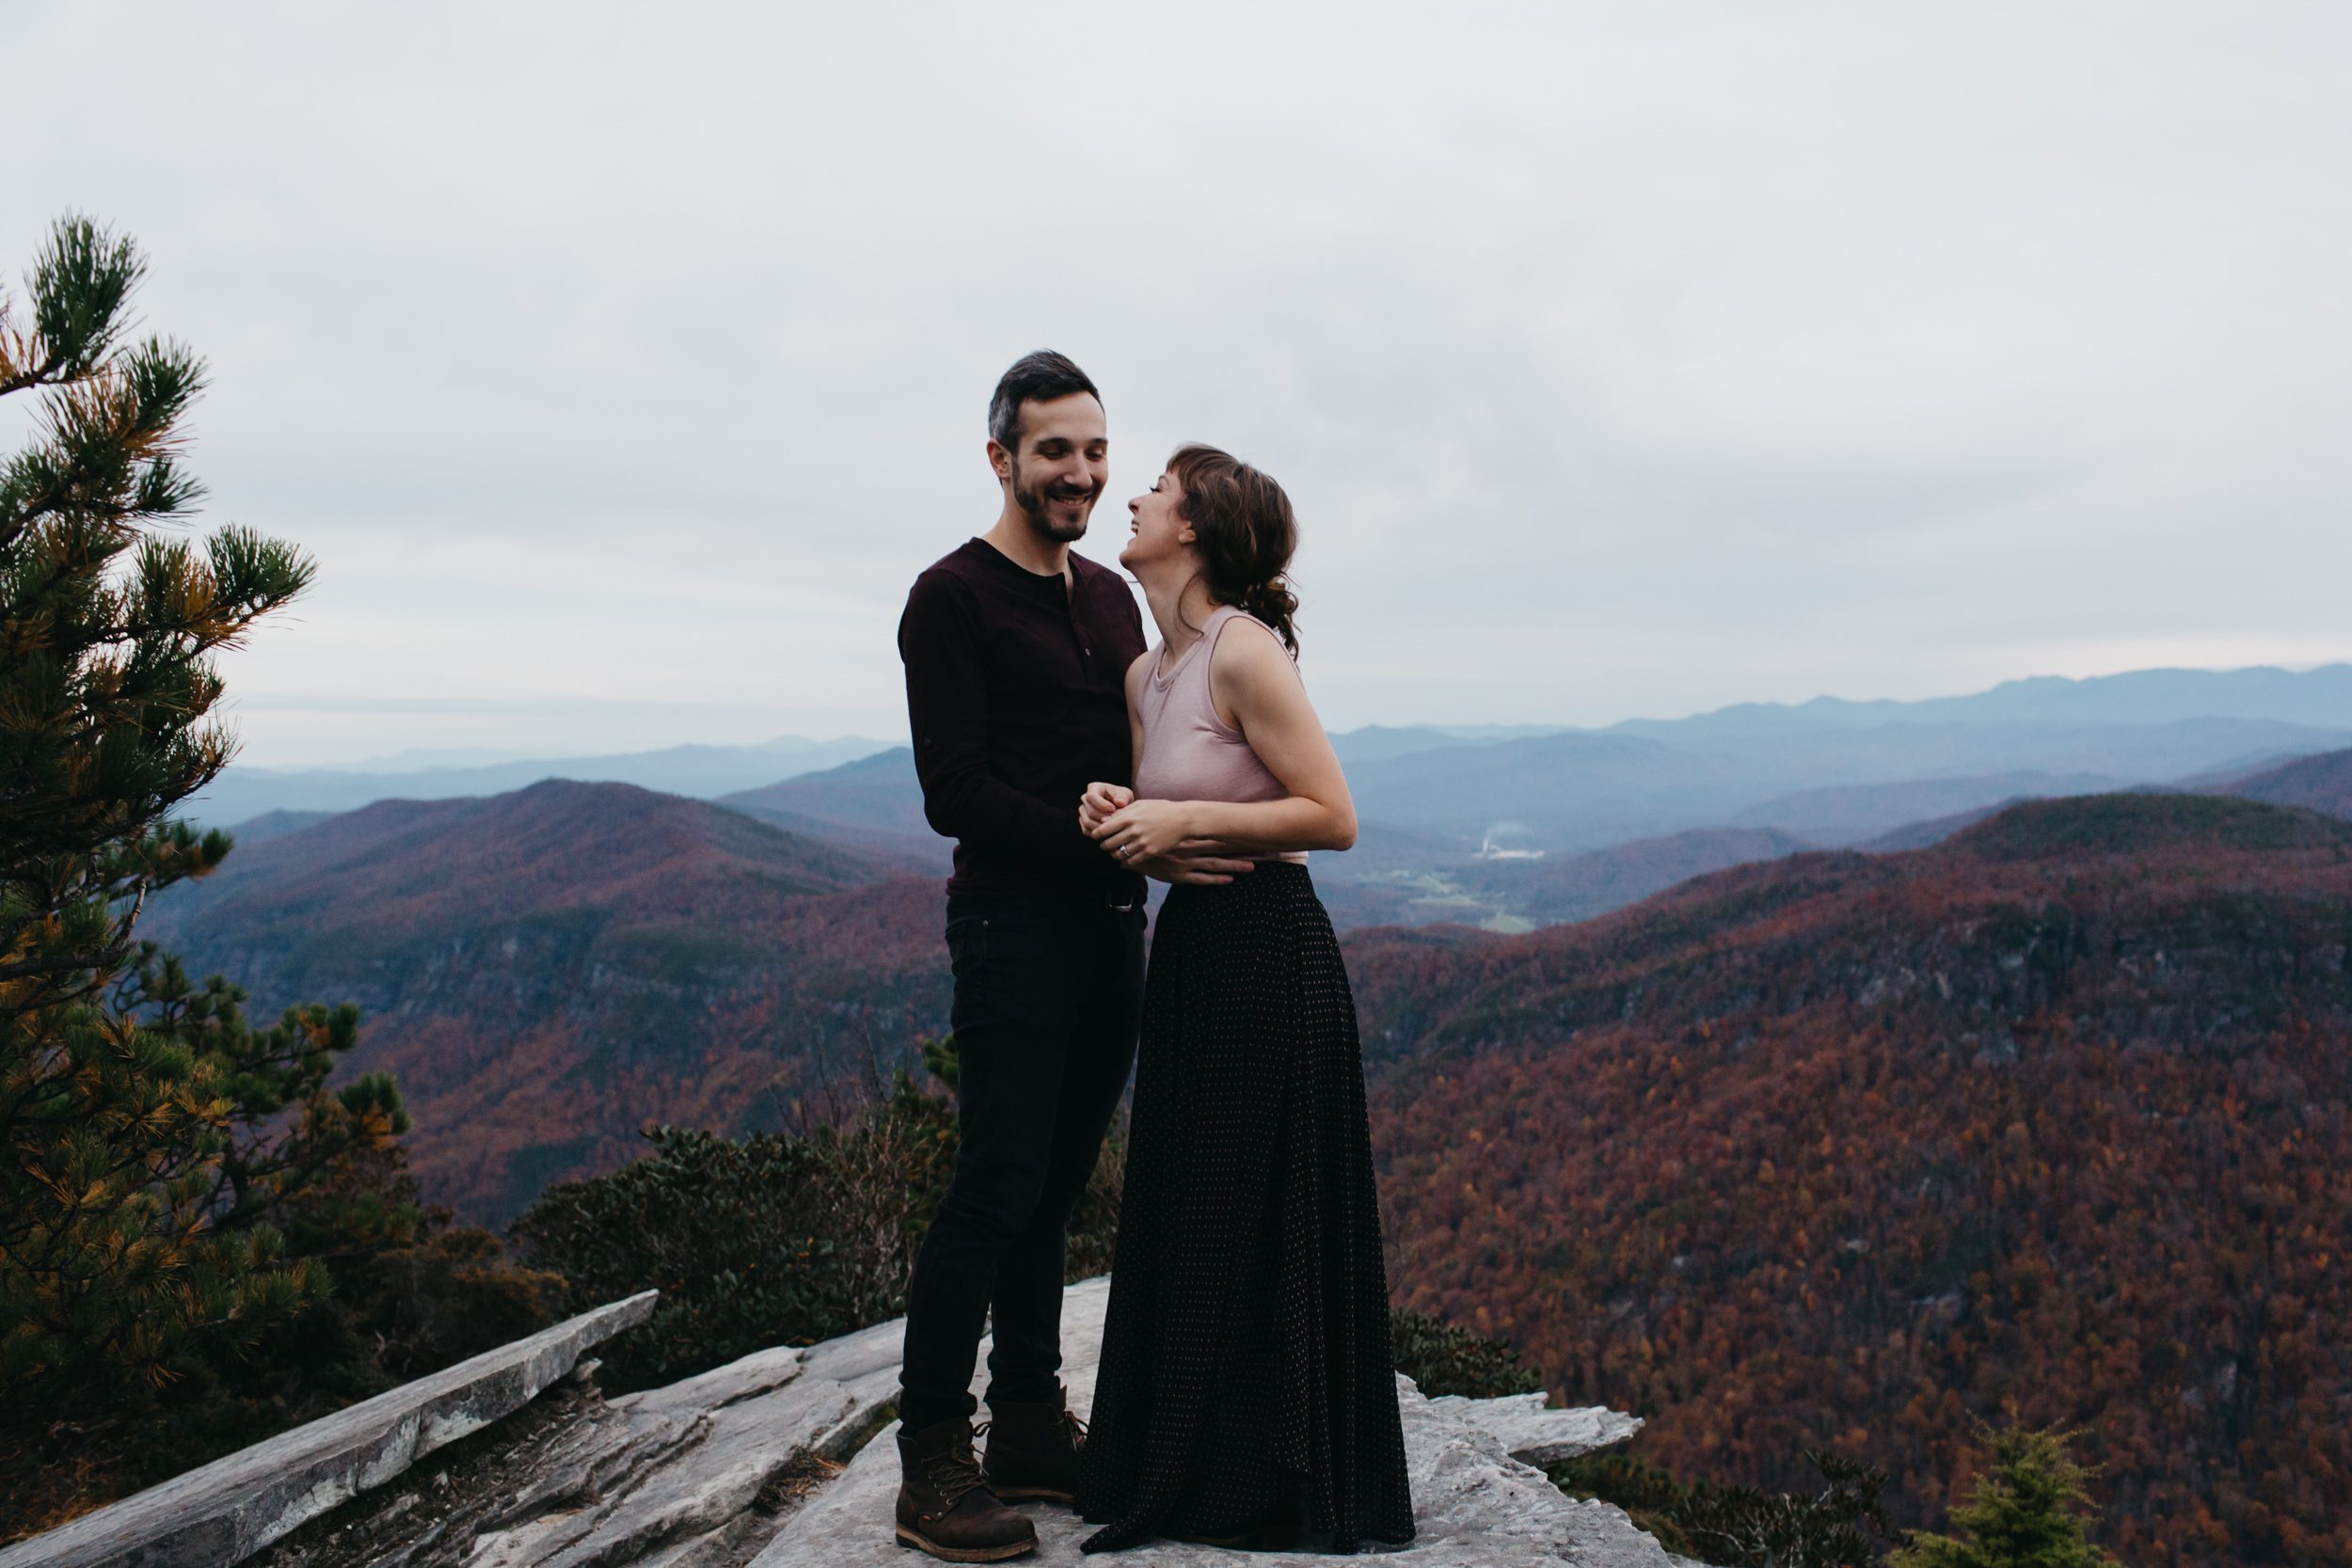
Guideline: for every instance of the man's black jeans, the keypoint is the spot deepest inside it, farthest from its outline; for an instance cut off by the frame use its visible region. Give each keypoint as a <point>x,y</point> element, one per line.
<point>1049,990</point>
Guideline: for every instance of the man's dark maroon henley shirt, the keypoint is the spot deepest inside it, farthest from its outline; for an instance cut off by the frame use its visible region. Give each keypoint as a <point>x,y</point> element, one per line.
<point>1016,691</point>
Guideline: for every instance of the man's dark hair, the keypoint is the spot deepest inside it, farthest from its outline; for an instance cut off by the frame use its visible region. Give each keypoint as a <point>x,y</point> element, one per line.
<point>1039,377</point>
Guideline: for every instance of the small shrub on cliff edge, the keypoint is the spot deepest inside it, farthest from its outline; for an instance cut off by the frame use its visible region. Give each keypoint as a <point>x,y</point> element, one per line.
<point>773,1239</point>
<point>1842,1525</point>
<point>1442,1358</point>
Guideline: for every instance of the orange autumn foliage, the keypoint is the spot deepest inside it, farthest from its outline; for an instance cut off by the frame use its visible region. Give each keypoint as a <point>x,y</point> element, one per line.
<point>2049,1124</point>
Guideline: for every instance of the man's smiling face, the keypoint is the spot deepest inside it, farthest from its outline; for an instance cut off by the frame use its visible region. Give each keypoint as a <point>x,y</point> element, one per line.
<point>1062,465</point>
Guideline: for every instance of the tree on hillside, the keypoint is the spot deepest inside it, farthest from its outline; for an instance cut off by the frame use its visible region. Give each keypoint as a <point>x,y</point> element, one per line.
<point>2026,1512</point>
<point>115,1138</point>
<point>400,1291</point>
<point>200,1244</point>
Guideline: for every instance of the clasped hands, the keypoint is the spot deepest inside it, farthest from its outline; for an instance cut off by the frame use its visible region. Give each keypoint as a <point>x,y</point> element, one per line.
<point>1155,837</point>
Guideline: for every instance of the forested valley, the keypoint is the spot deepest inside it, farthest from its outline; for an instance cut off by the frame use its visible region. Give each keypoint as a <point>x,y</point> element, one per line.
<point>1853,1151</point>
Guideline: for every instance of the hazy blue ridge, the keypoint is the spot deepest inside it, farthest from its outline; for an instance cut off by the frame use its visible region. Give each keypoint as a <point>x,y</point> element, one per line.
<point>242,794</point>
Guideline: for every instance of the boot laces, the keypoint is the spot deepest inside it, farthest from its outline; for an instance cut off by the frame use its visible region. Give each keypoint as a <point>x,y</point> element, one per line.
<point>954,1472</point>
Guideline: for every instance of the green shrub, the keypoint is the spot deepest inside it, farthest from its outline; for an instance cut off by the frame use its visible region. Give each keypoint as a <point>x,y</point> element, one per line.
<point>1443,1359</point>
<point>773,1239</point>
<point>1842,1525</point>
<point>393,1291</point>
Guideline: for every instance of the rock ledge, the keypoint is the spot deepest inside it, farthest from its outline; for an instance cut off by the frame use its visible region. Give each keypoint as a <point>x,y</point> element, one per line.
<point>223,1512</point>
<point>781,1460</point>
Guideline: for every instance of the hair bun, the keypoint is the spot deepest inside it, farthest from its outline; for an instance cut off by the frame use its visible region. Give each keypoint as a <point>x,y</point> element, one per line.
<point>1273,602</point>
<point>1244,531</point>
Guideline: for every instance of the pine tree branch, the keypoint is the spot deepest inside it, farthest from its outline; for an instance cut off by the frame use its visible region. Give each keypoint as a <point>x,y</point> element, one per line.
<point>43,374</point>
<point>72,961</point>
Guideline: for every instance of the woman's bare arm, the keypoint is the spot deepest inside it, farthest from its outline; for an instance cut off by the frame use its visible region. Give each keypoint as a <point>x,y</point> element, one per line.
<point>1252,680</point>
<point>1198,862</point>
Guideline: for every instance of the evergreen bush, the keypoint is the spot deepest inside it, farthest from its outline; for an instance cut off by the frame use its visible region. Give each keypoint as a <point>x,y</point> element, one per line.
<point>1442,1358</point>
<point>775,1238</point>
<point>2025,1512</point>
<point>116,1137</point>
<point>199,1242</point>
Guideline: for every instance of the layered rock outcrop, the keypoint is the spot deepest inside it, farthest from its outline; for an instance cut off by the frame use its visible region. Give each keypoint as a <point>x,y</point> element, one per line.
<point>780,1459</point>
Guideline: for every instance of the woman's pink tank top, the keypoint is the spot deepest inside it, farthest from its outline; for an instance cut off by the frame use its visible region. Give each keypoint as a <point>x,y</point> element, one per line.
<point>1189,753</point>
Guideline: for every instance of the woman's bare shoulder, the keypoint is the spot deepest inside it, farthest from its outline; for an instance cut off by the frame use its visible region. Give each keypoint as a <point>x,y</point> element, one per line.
<point>1248,647</point>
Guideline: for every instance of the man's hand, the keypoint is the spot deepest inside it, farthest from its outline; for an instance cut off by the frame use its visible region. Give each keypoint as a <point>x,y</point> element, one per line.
<point>1099,803</point>
<point>1194,870</point>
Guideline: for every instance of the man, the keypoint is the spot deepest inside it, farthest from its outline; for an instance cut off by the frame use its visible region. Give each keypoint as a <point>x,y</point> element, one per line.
<point>1016,654</point>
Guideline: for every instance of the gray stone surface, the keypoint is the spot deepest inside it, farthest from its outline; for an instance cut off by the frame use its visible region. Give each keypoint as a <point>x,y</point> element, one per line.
<point>746,1464</point>
<point>224,1511</point>
<point>694,1475</point>
<point>668,1474</point>
<point>1535,1435</point>
<point>1474,1505</point>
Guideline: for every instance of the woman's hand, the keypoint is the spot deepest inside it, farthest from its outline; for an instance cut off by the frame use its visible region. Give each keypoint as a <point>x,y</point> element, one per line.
<point>1099,802</point>
<point>1146,830</point>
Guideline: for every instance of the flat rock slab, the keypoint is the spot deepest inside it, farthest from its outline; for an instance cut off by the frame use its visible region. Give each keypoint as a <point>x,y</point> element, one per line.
<point>694,1475</point>
<point>227,1510</point>
<point>666,1468</point>
<point>1535,1435</point>
<point>1474,1505</point>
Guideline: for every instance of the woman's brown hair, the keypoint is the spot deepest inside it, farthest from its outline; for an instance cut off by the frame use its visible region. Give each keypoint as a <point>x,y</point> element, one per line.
<point>1244,533</point>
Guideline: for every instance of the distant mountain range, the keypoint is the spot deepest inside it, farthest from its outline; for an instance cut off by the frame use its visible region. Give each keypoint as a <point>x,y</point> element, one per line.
<point>1654,802</point>
<point>2322,782</point>
<point>241,792</point>
<point>1588,790</point>
<point>2038,1120</point>
<point>2037,1108</point>
<point>2313,699</point>
<point>607,930</point>
<point>874,804</point>
<point>544,971</point>
<point>1569,789</point>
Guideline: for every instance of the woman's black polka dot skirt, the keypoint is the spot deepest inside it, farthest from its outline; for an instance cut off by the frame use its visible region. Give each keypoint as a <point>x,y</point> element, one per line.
<point>1246,1375</point>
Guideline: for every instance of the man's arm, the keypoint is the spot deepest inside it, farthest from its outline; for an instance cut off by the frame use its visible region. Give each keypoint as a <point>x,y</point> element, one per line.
<point>948,710</point>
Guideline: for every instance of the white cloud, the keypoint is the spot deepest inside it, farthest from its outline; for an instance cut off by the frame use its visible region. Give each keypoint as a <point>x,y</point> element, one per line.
<point>1622,358</point>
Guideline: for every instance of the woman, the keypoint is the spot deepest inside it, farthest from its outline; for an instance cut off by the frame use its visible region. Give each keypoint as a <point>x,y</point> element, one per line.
<point>1245,1394</point>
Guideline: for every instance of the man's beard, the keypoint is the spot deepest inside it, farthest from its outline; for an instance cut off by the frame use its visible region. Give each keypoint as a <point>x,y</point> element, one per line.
<point>1033,502</point>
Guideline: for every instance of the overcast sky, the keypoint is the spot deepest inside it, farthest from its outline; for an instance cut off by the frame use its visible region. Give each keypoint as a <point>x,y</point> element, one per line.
<point>621,365</point>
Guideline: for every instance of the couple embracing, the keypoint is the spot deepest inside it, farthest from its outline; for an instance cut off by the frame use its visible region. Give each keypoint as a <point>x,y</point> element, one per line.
<point>1245,1394</point>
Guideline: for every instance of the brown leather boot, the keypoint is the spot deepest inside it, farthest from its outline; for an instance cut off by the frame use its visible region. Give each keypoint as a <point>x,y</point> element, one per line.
<point>946,1508</point>
<point>1035,1448</point>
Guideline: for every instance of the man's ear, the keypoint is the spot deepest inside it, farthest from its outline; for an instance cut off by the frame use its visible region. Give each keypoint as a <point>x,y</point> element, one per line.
<point>999,459</point>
